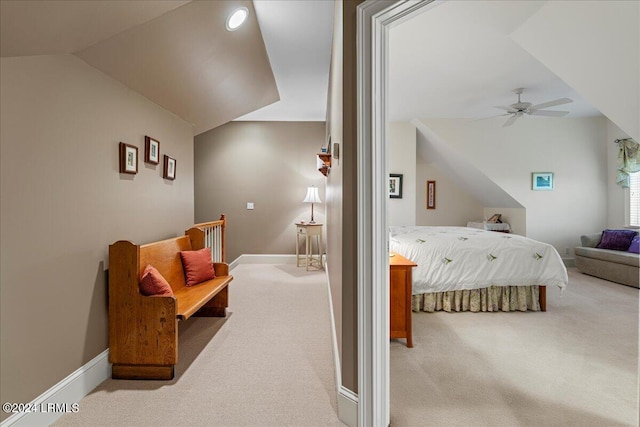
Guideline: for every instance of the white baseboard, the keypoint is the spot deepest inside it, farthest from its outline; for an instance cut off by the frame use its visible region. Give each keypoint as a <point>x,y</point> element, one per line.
<point>64,396</point>
<point>569,262</point>
<point>348,407</point>
<point>263,259</point>
<point>347,400</point>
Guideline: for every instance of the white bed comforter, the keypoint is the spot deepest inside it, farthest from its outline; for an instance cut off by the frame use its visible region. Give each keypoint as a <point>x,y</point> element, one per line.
<point>457,258</point>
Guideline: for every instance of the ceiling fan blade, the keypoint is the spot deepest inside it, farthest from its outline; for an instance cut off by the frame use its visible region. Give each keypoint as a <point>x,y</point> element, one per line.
<point>509,109</point>
<point>511,120</point>
<point>553,103</point>
<point>549,113</point>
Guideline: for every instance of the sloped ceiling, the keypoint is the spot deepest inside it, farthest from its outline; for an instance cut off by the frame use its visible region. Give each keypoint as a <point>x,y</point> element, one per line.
<point>48,27</point>
<point>177,54</point>
<point>458,60</point>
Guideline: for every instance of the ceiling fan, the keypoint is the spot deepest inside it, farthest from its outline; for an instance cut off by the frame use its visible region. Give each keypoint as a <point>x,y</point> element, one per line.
<point>520,108</point>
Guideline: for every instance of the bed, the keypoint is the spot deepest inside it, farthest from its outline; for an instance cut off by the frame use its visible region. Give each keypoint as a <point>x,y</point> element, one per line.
<point>468,269</point>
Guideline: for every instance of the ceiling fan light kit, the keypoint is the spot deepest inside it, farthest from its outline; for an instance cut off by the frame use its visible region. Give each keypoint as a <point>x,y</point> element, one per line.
<point>520,108</point>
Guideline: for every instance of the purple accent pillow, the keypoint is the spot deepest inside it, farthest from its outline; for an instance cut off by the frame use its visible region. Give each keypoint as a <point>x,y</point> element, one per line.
<point>634,247</point>
<point>617,240</point>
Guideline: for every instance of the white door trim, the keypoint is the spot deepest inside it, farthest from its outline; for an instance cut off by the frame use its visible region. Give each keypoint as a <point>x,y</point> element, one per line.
<point>374,19</point>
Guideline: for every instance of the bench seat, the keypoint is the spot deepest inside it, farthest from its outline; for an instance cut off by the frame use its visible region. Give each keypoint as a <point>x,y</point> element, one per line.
<point>143,330</point>
<point>191,299</point>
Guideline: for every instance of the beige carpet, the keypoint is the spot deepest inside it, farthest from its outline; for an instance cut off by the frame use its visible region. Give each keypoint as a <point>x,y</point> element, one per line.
<point>270,363</point>
<point>575,365</point>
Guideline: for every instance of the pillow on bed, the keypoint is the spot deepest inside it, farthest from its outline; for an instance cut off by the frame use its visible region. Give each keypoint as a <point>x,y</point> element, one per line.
<point>198,266</point>
<point>617,240</point>
<point>634,247</point>
<point>154,284</point>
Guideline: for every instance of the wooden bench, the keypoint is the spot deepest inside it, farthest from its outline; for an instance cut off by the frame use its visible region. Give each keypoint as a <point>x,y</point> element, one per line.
<point>143,330</point>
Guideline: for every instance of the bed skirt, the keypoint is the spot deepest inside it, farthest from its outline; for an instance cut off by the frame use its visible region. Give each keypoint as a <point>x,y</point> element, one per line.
<point>493,298</point>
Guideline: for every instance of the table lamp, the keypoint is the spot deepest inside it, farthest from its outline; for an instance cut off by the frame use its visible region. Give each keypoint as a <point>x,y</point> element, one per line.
<point>312,197</point>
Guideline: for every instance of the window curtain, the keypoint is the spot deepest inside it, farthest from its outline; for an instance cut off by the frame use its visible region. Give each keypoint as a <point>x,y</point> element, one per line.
<point>628,160</point>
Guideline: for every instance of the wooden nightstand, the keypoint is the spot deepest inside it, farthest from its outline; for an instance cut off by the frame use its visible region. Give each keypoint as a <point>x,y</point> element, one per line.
<point>400,292</point>
<point>309,231</point>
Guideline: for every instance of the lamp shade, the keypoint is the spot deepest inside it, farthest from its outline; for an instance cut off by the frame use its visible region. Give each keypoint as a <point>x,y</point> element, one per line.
<point>312,195</point>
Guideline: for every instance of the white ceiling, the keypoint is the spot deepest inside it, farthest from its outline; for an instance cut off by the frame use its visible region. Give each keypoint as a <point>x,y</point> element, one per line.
<point>297,35</point>
<point>455,60</point>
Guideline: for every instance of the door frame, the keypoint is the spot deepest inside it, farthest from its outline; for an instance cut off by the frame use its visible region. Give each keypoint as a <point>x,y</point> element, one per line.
<point>374,20</point>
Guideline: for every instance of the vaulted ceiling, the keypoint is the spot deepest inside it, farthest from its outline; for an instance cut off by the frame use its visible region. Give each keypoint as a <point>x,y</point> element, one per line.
<point>178,54</point>
<point>457,60</point>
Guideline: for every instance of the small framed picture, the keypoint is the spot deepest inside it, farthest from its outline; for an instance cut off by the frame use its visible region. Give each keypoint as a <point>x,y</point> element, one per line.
<point>169,168</point>
<point>395,186</point>
<point>128,158</point>
<point>151,150</point>
<point>542,181</point>
<point>431,194</point>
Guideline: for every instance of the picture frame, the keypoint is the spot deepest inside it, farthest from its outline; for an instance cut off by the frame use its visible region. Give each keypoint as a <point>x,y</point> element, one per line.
<point>128,158</point>
<point>169,168</point>
<point>395,186</point>
<point>542,181</point>
<point>431,194</point>
<point>151,150</point>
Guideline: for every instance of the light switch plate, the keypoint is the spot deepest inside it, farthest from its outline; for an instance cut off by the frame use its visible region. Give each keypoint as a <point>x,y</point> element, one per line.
<point>249,205</point>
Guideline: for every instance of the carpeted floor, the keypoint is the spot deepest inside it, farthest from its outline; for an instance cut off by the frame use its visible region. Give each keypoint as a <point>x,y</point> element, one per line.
<point>575,365</point>
<point>270,363</point>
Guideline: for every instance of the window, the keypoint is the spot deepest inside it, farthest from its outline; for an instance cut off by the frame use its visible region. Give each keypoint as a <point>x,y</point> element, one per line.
<point>634,199</point>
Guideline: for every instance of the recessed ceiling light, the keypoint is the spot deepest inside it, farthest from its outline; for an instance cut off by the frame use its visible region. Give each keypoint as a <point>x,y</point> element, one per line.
<point>237,18</point>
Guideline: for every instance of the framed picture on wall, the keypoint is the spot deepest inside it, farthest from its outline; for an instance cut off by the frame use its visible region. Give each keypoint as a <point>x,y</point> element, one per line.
<point>395,186</point>
<point>151,150</point>
<point>431,194</point>
<point>542,181</point>
<point>169,168</point>
<point>128,158</point>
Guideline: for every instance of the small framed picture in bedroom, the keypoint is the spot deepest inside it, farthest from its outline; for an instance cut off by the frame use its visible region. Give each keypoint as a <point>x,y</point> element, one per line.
<point>151,150</point>
<point>128,158</point>
<point>395,186</point>
<point>431,194</point>
<point>169,168</point>
<point>542,181</point>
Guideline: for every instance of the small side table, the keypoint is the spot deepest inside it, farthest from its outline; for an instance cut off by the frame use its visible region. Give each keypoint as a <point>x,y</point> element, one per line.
<point>400,292</point>
<point>309,231</point>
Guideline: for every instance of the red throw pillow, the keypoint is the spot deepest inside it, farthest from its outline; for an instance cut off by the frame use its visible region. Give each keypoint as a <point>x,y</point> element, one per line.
<point>197,266</point>
<point>154,284</point>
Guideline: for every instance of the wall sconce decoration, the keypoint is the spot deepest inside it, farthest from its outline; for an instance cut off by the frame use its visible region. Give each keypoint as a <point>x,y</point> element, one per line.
<point>324,163</point>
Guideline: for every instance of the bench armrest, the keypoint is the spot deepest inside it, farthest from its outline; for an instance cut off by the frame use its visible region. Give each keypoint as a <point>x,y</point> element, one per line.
<point>221,268</point>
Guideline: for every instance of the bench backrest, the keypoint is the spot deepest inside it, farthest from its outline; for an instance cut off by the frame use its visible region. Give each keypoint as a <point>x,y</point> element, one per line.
<point>165,257</point>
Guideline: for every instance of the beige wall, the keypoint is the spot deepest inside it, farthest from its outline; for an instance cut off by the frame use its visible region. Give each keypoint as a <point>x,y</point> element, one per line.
<point>270,164</point>
<point>334,180</point>
<point>402,160</point>
<point>575,150</point>
<point>349,234</point>
<point>454,205</point>
<point>341,189</point>
<point>64,202</point>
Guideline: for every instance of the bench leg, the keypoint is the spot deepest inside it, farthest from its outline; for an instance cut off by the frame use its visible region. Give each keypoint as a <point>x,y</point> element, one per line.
<point>142,372</point>
<point>217,307</point>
